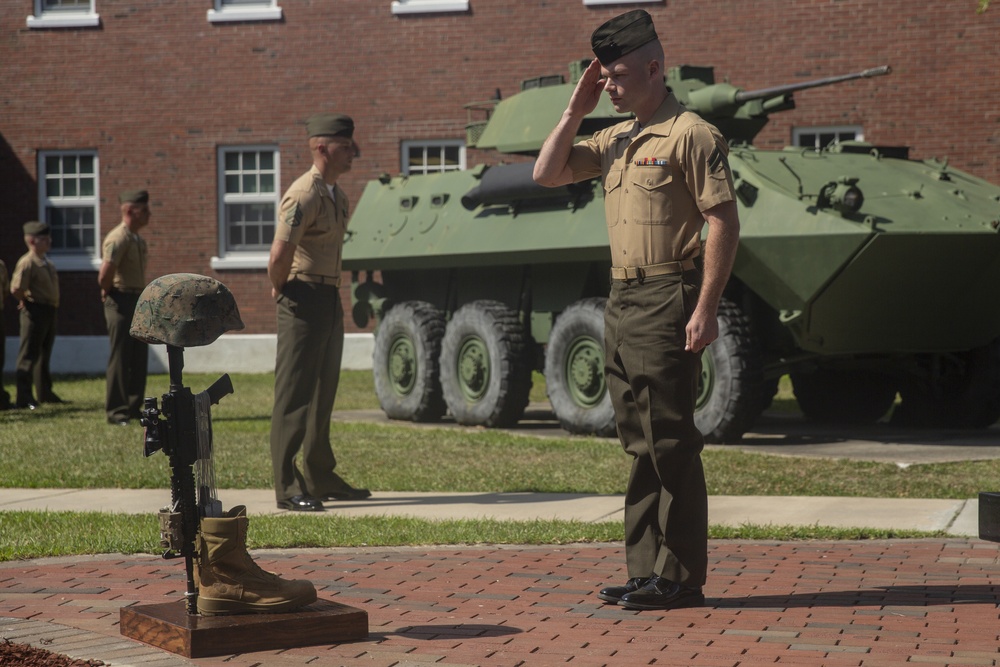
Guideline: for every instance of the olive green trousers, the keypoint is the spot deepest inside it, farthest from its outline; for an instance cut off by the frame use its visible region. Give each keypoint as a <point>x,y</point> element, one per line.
<point>652,382</point>
<point>128,359</point>
<point>306,373</point>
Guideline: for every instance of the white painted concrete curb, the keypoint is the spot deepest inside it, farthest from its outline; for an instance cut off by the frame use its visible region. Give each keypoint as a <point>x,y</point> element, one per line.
<point>231,353</point>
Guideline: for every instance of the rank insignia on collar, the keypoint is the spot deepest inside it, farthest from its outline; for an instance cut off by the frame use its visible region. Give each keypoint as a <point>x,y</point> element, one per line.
<point>650,162</point>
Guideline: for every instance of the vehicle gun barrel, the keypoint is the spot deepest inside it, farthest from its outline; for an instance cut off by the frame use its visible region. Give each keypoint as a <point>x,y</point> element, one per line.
<point>747,95</point>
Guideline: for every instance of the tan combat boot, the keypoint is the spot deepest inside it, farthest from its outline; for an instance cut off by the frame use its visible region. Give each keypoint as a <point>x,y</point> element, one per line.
<point>228,580</point>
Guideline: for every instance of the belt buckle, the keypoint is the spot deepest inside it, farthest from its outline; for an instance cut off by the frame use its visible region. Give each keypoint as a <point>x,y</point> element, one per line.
<point>640,274</point>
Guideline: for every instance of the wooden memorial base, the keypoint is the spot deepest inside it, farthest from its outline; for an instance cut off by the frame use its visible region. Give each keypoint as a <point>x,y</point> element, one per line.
<point>168,626</point>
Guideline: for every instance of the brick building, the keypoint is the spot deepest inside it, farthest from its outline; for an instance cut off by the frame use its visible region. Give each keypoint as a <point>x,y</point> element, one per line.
<point>203,102</point>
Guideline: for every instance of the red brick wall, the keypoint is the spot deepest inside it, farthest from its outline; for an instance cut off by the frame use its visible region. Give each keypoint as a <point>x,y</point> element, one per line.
<point>156,88</point>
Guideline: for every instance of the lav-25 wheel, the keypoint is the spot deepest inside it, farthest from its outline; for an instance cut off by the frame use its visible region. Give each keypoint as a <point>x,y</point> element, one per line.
<point>405,362</point>
<point>966,394</point>
<point>574,370</point>
<point>730,387</point>
<point>844,396</point>
<point>485,377</point>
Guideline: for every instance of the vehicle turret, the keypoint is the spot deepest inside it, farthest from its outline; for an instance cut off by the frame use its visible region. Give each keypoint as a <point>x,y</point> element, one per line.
<point>520,124</point>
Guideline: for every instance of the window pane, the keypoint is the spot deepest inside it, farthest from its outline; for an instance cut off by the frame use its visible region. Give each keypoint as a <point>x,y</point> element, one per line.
<point>232,161</point>
<point>267,182</point>
<point>69,194</point>
<point>249,183</point>
<point>267,161</point>
<point>249,161</point>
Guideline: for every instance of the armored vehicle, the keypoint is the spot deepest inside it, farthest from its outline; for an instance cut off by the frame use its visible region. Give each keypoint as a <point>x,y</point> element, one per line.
<point>861,273</point>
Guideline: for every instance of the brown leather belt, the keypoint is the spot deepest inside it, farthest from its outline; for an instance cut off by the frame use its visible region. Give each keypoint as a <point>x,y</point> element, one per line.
<point>322,280</point>
<point>643,272</point>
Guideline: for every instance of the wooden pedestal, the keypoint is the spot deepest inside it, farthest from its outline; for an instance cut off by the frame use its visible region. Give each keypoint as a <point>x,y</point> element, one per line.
<point>168,626</point>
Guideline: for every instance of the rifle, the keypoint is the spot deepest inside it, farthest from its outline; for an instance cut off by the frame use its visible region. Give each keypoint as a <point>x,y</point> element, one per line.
<point>182,429</point>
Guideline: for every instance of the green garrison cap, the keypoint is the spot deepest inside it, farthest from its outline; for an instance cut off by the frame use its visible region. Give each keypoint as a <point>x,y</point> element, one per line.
<point>621,35</point>
<point>35,228</point>
<point>134,197</point>
<point>330,125</point>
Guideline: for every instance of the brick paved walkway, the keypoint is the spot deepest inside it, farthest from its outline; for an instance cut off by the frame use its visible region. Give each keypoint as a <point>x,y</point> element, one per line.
<point>873,603</point>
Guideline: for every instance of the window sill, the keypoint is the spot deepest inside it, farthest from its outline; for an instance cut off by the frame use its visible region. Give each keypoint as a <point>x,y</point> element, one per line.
<point>75,262</point>
<point>238,261</point>
<point>429,6</point>
<point>245,14</point>
<point>64,21</point>
<point>616,2</point>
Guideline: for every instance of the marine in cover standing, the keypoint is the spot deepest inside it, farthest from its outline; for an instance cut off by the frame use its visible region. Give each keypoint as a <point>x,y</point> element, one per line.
<point>665,174</point>
<point>304,268</point>
<point>122,278</point>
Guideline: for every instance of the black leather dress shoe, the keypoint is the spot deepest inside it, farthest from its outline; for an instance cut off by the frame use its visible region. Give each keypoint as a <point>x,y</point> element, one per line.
<point>52,398</point>
<point>613,594</point>
<point>118,421</point>
<point>301,504</point>
<point>660,593</point>
<point>350,493</point>
<point>26,405</point>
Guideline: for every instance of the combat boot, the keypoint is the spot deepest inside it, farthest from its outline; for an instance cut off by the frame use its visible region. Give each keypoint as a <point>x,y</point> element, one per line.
<point>230,582</point>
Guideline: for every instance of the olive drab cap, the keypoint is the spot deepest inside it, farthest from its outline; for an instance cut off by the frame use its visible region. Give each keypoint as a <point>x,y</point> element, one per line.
<point>35,228</point>
<point>330,125</point>
<point>134,197</point>
<point>184,310</point>
<point>621,35</point>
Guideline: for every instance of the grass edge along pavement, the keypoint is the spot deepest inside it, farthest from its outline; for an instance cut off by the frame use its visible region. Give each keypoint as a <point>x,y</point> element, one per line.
<point>30,534</point>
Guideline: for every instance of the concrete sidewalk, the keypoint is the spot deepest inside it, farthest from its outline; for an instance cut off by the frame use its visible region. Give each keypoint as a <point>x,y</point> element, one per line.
<point>955,517</point>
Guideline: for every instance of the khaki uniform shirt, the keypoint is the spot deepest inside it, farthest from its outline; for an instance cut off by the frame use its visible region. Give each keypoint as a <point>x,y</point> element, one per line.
<point>657,181</point>
<point>36,277</point>
<point>311,219</point>
<point>126,250</point>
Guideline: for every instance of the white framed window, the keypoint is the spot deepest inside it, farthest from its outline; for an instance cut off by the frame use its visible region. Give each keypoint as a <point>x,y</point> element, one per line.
<point>429,6</point>
<point>431,157</point>
<point>821,137</point>
<point>64,14</point>
<point>617,2</point>
<point>244,10</point>
<point>249,181</point>
<point>68,201</point>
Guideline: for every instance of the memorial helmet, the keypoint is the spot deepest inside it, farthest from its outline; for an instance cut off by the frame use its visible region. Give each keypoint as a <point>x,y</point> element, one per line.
<point>185,310</point>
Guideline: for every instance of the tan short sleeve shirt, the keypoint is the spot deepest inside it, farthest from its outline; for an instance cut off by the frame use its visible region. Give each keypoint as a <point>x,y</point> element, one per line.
<point>127,251</point>
<point>657,181</point>
<point>37,278</point>
<point>316,223</point>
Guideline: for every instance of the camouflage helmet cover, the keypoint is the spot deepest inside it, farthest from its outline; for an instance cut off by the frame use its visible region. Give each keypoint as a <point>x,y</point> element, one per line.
<point>185,310</point>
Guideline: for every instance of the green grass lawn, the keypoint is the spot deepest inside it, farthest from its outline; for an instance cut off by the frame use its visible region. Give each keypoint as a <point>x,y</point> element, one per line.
<point>71,446</point>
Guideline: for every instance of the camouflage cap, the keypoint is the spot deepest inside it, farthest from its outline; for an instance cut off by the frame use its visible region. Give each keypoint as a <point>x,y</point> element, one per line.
<point>184,310</point>
<point>134,197</point>
<point>330,125</point>
<point>35,228</point>
<point>622,35</point>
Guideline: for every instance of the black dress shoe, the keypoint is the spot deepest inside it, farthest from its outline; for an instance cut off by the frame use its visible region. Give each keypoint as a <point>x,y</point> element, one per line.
<point>118,421</point>
<point>26,405</point>
<point>350,493</point>
<point>301,504</point>
<point>613,594</point>
<point>52,398</point>
<point>660,593</point>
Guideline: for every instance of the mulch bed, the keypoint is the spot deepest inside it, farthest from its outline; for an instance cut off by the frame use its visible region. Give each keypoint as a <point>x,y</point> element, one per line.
<point>25,655</point>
